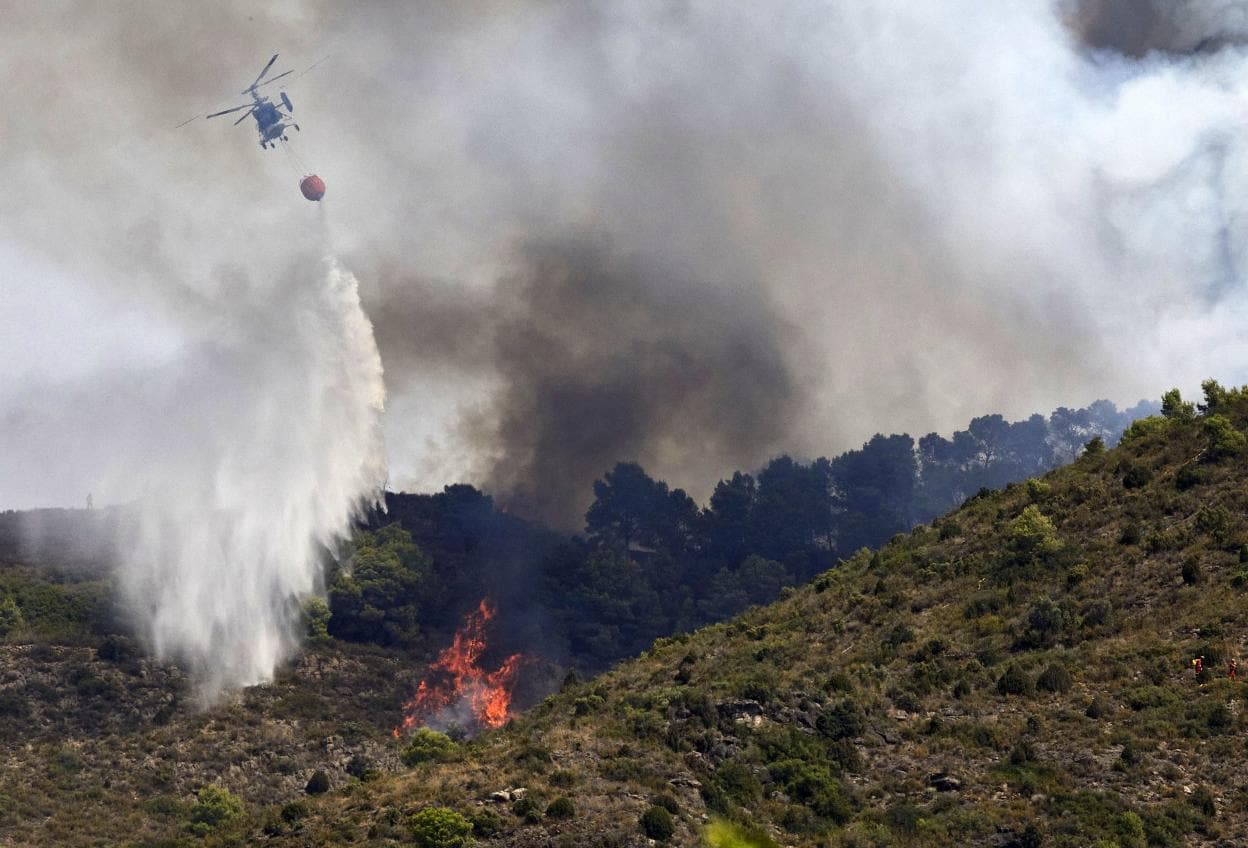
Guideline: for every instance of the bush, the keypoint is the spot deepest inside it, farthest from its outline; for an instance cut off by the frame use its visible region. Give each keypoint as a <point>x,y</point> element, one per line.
<point>294,812</point>
<point>1215,522</point>
<point>1131,831</point>
<point>117,649</point>
<point>1202,799</point>
<point>561,808</point>
<point>1031,539</point>
<point>1225,440</point>
<point>485,823</point>
<point>1047,620</point>
<point>657,823</point>
<point>362,768</point>
<point>1055,678</point>
<point>844,720</point>
<point>316,617</point>
<point>1096,613</point>
<point>1014,681</point>
<point>215,806</point>
<point>562,779</point>
<point>526,808</point>
<point>1137,477</point>
<point>1189,477</point>
<point>950,529</point>
<point>11,619</point>
<point>427,746</point>
<point>1099,708</point>
<point>1191,572</point>
<point>1094,447</point>
<point>1173,406</point>
<point>1144,428</point>
<point>1131,535</point>
<point>813,786</point>
<point>1038,491</point>
<point>667,802</point>
<point>318,784</point>
<point>439,827</point>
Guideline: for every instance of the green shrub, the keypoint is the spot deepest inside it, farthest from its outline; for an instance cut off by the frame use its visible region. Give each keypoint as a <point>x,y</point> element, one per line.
<point>1031,540</point>
<point>1047,621</point>
<point>667,802</point>
<point>813,786</point>
<point>427,746</point>
<point>838,681</point>
<point>657,823</point>
<point>1014,681</point>
<point>561,808</point>
<point>1055,678</point>
<point>1099,708</point>
<point>844,720</point>
<point>215,806</point>
<point>318,783</point>
<point>562,779</point>
<point>13,704</point>
<point>1130,831</point>
<point>737,782</point>
<point>527,809</point>
<point>1215,522</point>
<point>1144,428</point>
<point>11,618</point>
<point>316,617</point>
<point>1191,572</point>
<point>1137,477</point>
<point>1225,440</point>
<point>1094,447</point>
<point>949,529</point>
<point>1131,534</point>
<point>1189,476</point>
<point>485,823</point>
<point>1202,799</point>
<point>1174,407</point>
<point>117,649</point>
<point>294,812</point>
<point>440,827</point>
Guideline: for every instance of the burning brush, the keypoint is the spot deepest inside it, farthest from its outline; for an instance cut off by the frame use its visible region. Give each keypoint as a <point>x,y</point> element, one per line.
<point>456,691</point>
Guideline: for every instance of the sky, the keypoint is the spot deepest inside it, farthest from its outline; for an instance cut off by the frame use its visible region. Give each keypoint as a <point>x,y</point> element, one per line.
<point>693,234</point>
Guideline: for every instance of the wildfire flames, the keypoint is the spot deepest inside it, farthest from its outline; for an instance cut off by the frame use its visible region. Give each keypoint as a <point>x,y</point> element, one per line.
<point>456,689</point>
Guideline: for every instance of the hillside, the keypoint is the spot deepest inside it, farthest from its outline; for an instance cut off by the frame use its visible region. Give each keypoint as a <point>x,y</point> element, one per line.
<point>1017,673</point>
<point>821,719</point>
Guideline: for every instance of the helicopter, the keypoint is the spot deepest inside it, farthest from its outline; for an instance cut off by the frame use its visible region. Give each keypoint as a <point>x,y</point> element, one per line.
<point>272,118</point>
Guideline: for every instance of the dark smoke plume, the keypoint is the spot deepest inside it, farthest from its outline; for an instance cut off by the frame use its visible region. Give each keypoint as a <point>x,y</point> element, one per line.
<point>1136,28</point>
<point>600,357</point>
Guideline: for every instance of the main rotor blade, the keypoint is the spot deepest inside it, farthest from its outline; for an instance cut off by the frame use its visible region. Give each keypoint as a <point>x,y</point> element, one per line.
<point>228,111</point>
<point>245,114</point>
<point>262,73</point>
<point>184,123</point>
<point>275,79</point>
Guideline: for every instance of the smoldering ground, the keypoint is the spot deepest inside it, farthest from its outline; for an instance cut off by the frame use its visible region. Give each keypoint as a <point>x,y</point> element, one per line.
<point>806,221</point>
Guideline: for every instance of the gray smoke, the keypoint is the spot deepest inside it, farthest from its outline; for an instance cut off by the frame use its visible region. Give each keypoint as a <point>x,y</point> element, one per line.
<point>1136,28</point>
<point>691,233</point>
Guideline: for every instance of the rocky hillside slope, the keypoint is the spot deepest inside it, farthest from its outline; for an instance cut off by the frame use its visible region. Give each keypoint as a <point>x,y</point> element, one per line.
<point>1018,673</point>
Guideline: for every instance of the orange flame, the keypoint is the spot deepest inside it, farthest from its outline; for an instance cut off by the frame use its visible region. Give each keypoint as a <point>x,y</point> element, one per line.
<point>457,678</point>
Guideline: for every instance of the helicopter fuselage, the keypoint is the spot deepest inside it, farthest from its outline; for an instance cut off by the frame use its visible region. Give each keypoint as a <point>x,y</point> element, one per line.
<point>269,120</point>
